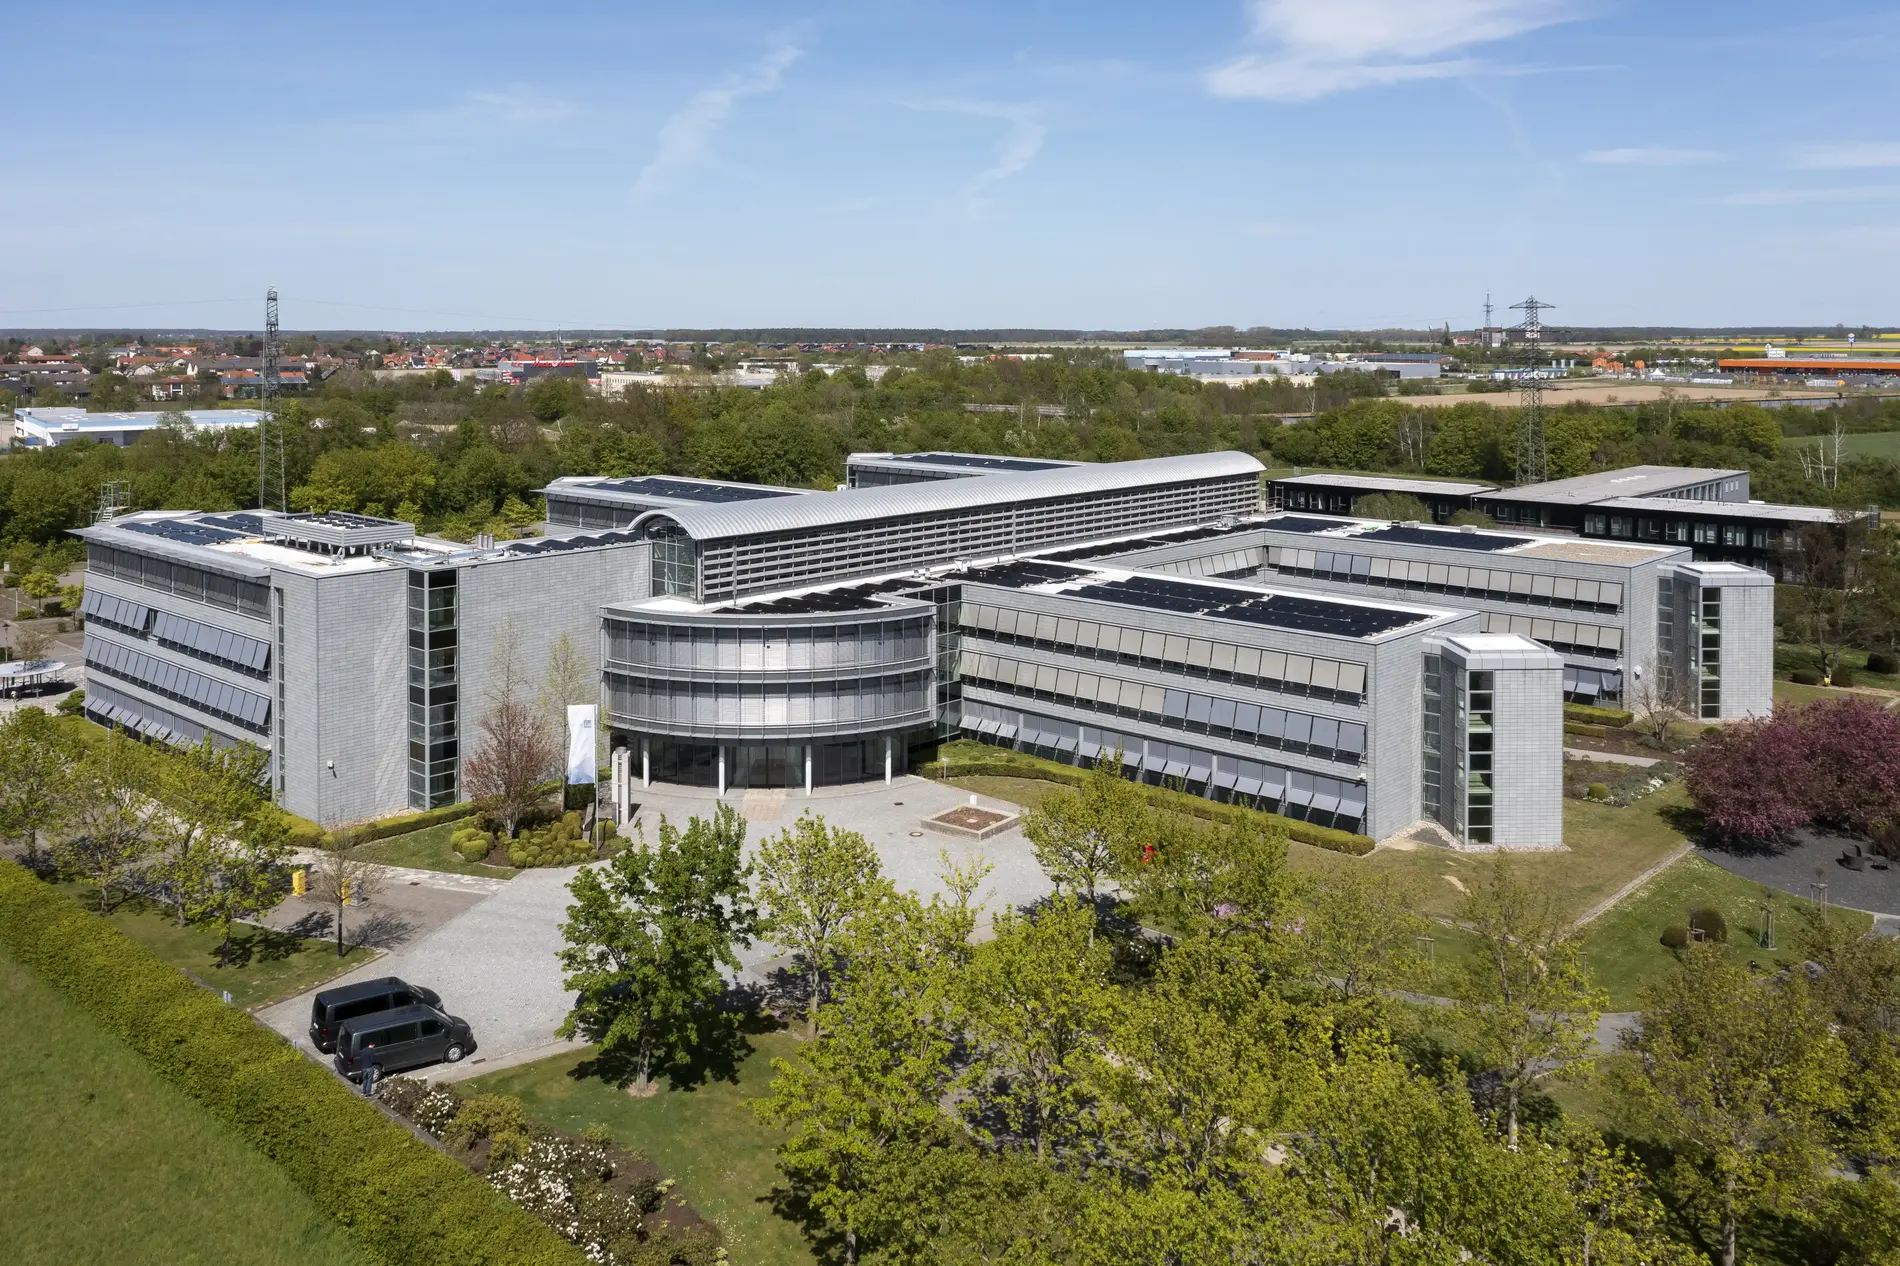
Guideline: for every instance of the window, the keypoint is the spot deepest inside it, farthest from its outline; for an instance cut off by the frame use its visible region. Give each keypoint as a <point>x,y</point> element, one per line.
<point>1478,757</point>
<point>1710,696</point>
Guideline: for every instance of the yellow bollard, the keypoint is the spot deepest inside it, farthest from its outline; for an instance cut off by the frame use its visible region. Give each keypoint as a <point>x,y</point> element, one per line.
<point>299,881</point>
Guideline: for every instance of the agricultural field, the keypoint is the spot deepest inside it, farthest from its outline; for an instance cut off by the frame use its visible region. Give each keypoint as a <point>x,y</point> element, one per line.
<point>1884,444</point>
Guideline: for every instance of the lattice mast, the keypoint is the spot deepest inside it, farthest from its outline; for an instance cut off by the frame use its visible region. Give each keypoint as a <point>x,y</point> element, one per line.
<point>1533,453</point>
<point>271,493</point>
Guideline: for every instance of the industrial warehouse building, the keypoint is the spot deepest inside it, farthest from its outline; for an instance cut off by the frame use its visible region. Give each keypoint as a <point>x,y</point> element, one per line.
<point>747,636</point>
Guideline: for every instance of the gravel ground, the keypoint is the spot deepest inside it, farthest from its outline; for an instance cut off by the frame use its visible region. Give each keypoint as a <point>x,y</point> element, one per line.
<point>1813,858</point>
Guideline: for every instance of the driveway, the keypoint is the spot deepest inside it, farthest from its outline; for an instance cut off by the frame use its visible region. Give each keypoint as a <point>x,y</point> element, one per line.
<point>494,965</point>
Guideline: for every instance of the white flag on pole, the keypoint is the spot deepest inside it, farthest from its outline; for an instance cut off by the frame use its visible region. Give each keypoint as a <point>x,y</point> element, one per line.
<point>581,759</point>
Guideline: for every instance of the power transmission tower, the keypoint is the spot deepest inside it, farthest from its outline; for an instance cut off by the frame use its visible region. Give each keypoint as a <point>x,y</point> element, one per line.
<point>1485,338</point>
<point>1533,455</point>
<point>271,494</point>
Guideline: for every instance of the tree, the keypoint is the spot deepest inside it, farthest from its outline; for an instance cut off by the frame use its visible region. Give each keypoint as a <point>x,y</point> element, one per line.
<point>863,1101</point>
<point>1035,1001</point>
<point>212,803</point>
<point>517,751</point>
<point>1660,699</point>
<point>1233,874</point>
<point>1526,995</point>
<point>646,938</point>
<point>249,879</point>
<point>337,877</point>
<point>1085,836</point>
<point>1358,934</point>
<point>36,794</point>
<point>1839,576</point>
<point>39,585</point>
<point>813,881</point>
<point>1400,507</point>
<point>565,680</point>
<point>111,825</point>
<point>1738,1076</point>
<point>31,644</point>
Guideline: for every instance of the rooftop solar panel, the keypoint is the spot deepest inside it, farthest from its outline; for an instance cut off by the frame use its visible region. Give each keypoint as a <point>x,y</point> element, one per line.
<point>1022,573</point>
<point>249,524</point>
<point>183,531</point>
<point>972,461</point>
<point>686,490</point>
<point>1278,610</point>
<point>1296,523</point>
<point>1445,538</point>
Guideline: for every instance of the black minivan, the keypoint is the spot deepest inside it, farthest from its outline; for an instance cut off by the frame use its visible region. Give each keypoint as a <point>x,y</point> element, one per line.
<point>332,1007</point>
<point>405,1037</point>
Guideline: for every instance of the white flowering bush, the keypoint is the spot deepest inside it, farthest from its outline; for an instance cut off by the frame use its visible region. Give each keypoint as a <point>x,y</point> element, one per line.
<point>563,1182</point>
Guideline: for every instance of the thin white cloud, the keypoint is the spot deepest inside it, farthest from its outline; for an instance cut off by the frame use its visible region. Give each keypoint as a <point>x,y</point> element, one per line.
<point>1849,156</point>
<point>685,137</point>
<point>1807,197</point>
<point>1315,48</point>
<point>1654,156</point>
<point>1016,149</point>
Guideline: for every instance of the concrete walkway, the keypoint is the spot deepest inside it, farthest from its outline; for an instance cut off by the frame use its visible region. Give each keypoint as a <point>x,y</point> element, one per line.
<point>1614,758</point>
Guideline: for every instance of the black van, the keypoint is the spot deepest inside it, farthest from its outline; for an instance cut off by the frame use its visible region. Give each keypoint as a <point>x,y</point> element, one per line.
<point>333,1006</point>
<point>405,1037</point>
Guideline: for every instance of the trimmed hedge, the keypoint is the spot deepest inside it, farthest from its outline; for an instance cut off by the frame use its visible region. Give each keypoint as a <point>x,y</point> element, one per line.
<point>998,763</point>
<point>1614,718</point>
<point>405,1203</point>
<point>403,823</point>
<point>1587,731</point>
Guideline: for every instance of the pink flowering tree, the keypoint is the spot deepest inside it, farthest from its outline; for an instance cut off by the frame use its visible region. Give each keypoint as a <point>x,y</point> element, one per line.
<point>1748,779</point>
<point>1852,764</point>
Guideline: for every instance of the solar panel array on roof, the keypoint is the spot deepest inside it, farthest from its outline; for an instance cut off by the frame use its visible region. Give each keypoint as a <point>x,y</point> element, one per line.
<point>1295,523</point>
<point>1279,610</point>
<point>1113,548</point>
<point>861,597</point>
<point>183,531</point>
<point>559,544</point>
<point>1445,538</point>
<point>685,490</point>
<point>1021,574</point>
<point>249,524</point>
<point>972,461</point>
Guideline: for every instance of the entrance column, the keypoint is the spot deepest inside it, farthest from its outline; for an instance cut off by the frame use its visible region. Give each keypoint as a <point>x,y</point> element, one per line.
<point>646,764</point>
<point>808,769</point>
<point>887,760</point>
<point>722,769</point>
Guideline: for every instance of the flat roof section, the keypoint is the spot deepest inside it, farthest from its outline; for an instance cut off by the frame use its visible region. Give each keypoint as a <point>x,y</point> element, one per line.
<point>1446,538</point>
<point>971,461</point>
<point>182,531</point>
<point>1724,509</point>
<point>1630,481</point>
<point>705,491</point>
<point>1298,612</point>
<point>1303,523</point>
<point>1388,483</point>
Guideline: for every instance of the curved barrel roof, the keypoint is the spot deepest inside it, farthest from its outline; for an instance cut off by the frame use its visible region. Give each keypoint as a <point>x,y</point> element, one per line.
<point>902,501</point>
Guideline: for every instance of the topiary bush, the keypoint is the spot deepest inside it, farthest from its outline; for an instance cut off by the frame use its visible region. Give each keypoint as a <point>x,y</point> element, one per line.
<point>1843,677</point>
<point>1675,936</point>
<point>1710,924</point>
<point>559,843</point>
<point>1599,791</point>
<point>1884,664</point>
<point>1805,677</point>
<point>471,843</point>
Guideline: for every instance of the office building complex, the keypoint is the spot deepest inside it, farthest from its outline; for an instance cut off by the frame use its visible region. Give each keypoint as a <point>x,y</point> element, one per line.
<point>52,426</point>
<point>1362,675</point>
<point>1707,510</point>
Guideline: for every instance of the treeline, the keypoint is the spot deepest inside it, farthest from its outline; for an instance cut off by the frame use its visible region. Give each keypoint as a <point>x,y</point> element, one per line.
<point>466,457</point>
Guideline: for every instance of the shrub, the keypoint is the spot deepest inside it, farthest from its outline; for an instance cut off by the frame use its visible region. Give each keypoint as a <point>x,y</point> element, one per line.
<point>1710,924</point>
<point>1675,936</point>
<point>1599,791</point>
<point>1615,718</point>
<point>1843,676</point>
<point>1586,731</point>
<point>403,823</point>
<point>1805,677</point>
<point>71,704</point>
<point>1884,664</point>
<point>404,1202</point>
<point>472,843</point>
<point>559,843</point>
<point>498,1118</point>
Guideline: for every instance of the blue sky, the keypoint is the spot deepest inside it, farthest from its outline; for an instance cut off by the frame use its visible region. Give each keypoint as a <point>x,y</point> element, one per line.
<point>1109,165</point>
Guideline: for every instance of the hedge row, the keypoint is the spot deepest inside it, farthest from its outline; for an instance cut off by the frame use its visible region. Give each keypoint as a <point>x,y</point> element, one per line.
<point>1015,765</point>
<point>405,1203</point>
<point>1614,718</point>
<point>1587,731</point>
<point>403,823</point>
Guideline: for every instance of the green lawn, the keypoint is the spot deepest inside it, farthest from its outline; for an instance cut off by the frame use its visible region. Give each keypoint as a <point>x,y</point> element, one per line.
<point>707,1138</point>
<point>106,1162</point>
<point>427,849</point>
<point>1625,946</point>
<point>266,966</point>
<point>1790,656</point>
<point>1860,444</point>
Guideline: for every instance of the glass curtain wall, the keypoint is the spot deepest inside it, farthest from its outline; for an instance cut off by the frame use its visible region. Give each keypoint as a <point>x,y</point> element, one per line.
<point>433,747</point>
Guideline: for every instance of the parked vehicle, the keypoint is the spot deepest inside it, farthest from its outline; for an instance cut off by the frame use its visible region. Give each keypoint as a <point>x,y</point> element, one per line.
<point>406,1037</point>
<point>332,1007</point>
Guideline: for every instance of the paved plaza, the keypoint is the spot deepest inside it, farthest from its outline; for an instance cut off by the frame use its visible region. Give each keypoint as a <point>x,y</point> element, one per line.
<point>493,962</point>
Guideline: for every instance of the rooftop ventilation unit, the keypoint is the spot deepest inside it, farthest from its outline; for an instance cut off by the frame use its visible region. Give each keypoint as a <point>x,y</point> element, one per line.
<point>339,532</point>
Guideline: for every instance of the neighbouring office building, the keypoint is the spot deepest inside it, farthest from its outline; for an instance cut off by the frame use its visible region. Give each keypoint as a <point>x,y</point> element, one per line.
<point>752,637</point>
<point>1706,510</point>
<point>52,426</point>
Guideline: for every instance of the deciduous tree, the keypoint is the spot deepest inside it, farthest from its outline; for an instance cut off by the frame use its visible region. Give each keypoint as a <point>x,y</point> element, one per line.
<point>647,938</point>
<point>339,878</point>
<point>814,879</point>
<point>1089,835</point>
<point>35,791</point>
<point>109,835</point>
